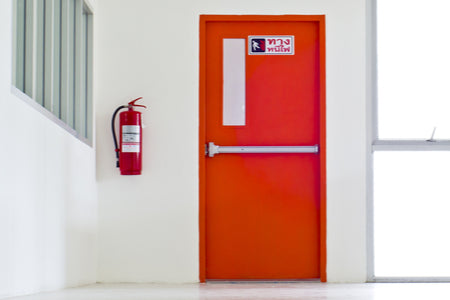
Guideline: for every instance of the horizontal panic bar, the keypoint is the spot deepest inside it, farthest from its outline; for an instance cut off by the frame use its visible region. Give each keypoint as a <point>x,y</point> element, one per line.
<point>215,149</point>
<point>268,149</point>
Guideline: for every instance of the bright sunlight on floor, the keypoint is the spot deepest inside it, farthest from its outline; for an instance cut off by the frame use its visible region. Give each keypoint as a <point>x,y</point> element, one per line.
<point>275,291</point>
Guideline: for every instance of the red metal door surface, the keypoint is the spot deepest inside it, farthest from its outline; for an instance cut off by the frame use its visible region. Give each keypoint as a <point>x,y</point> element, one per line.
<point>263,210</point>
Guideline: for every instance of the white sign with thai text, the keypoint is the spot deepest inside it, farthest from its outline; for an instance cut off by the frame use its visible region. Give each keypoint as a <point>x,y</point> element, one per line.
<point>271,45</point>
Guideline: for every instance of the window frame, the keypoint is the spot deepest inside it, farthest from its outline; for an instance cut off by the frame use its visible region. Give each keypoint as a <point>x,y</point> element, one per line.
<point>57,70</point>
<point>375,144</point>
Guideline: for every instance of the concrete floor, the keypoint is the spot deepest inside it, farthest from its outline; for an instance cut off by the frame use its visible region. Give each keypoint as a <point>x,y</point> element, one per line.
<point>272,291</point>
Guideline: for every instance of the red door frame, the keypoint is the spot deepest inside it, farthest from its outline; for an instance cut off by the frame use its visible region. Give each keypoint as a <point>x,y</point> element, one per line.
<point>204,19</point>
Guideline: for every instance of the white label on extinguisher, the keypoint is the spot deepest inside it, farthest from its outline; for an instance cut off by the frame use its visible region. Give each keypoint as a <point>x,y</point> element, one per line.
<point>131,137</point>
<point>130,148</point>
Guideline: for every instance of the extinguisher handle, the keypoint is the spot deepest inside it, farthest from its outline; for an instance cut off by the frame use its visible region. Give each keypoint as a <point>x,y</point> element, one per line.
<point>133,103</point>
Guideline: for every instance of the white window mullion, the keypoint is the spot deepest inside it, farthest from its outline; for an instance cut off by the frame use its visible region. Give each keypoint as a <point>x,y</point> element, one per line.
<point>411,145</point>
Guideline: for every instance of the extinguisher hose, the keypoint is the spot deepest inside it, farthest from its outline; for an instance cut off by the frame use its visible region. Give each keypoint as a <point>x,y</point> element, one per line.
<point>113,129</point>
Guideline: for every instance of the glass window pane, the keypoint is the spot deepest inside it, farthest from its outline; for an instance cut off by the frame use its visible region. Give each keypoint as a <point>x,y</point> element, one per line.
<point>234,82</point>
<point>29,42</point>
<point>413,64</point>
<point>89,66</point>
<point>48,53</point>
<point>19,40</point>
<point>84,70</point>
<point>411,214</point>
<point>40,52</point>
<point>80,71</point>
<point>56,99</point>
<point>52,58</point>
<point>67,61</point>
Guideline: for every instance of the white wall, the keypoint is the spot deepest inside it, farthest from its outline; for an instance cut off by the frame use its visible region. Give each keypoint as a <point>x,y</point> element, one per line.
<point>148,224</point>
<point>48,194</point>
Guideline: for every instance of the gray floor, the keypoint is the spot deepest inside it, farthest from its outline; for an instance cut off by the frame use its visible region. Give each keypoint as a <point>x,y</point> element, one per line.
<point>299,291</point>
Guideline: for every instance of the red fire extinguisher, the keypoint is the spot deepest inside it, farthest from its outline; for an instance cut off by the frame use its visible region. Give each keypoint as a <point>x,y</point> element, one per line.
<point>129,154</point>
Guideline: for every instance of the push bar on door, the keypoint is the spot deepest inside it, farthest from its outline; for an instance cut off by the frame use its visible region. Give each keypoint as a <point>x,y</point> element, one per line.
<point>215,149</point>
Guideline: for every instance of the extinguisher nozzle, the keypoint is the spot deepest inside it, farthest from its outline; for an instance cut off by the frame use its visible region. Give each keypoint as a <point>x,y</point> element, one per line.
<point>117,164</point>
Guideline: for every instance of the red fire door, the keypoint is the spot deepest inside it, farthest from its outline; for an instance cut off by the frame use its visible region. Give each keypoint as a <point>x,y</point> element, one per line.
<point>262,134</point>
